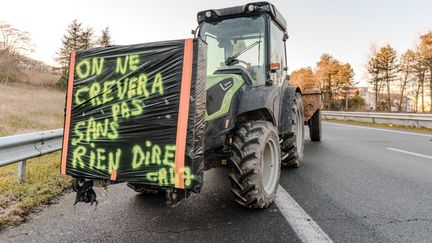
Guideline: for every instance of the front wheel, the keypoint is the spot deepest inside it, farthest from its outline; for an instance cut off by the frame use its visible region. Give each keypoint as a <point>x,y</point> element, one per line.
<point>255,164</point>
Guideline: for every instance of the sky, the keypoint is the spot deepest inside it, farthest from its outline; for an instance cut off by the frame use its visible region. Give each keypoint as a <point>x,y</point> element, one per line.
<point>343,28</point>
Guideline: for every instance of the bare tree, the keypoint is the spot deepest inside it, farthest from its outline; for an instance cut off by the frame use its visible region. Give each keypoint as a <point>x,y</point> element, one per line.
<point>14,45</point>
<point>13,40</point>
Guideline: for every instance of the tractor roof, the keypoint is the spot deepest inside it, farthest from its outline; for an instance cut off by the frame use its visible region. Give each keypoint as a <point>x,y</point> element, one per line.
<point>250,9</point>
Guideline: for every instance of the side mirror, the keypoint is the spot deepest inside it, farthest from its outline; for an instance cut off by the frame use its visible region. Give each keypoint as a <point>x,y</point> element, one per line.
<point>274,67</point>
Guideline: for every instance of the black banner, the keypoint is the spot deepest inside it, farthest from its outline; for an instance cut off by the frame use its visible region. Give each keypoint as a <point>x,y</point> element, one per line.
<point>131,107</point>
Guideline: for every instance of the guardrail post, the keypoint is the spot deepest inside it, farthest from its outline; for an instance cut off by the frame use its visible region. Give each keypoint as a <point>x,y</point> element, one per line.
<point>22,167</point>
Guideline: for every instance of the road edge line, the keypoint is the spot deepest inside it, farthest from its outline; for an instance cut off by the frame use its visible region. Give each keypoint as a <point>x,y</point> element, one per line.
<point>410,153</point>
<point>305,227</point>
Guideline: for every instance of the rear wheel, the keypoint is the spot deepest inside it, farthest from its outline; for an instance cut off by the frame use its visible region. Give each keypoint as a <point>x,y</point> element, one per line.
<point>145,189</point>
<point>293,145</point>
<point>315,126</point>
<point>256,164</point>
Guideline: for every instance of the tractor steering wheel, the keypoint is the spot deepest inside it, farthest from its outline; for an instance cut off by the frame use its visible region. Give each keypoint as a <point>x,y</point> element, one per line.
<point>248,64</point>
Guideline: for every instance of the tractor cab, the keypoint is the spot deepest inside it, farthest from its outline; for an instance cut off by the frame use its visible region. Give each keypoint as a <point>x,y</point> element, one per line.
<point>246,67</point>
<point>247,40</point>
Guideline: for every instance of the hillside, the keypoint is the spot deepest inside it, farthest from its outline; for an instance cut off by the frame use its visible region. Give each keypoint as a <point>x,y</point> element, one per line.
<point>25,108</point>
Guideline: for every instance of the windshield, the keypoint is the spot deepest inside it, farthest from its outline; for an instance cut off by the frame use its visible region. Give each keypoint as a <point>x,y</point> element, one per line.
<point>236,44</point>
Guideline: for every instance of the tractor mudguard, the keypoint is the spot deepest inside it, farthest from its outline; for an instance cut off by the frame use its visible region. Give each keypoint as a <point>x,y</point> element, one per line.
<point>286,107</point>
<point>263,98</point>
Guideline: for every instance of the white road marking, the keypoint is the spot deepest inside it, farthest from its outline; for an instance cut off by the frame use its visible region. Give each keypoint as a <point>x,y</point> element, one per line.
<point>380,129</point>
<point>304,226</point>
<point>411,153</point>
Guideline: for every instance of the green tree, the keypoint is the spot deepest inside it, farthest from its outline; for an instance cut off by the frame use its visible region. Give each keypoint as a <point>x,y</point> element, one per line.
<point>304,78</point>
<point>387,66</point>
<point>76,38</point>
<point>420,72</point>
<point>406,68</point>
<point>344,82</point>
<point>87,39</point>
<point>375,79</point>
<point>425,48</point>
<point>324,73</point>
<point>356,102</point>
<point>105,38</point>
<point>335,79</point>
<point>72,40</point>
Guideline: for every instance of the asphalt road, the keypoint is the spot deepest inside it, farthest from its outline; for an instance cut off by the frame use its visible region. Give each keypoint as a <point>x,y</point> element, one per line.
<point>358,185</point>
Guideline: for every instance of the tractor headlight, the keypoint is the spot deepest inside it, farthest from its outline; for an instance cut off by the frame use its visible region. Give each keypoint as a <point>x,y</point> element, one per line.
<point>208,14</point>
<point>251,8</point>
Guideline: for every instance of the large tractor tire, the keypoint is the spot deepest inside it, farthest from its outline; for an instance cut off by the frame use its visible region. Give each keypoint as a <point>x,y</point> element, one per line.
<point>315,126</point>
<point>256,164</point>
<point>293,145</point>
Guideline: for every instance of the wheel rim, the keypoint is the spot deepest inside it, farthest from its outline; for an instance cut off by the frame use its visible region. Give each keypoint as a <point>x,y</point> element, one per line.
<point>270,166</point>
<point>299,132</point>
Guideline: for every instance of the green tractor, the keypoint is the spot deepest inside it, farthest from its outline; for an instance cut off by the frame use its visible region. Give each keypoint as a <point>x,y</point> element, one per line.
<point>255,119</point>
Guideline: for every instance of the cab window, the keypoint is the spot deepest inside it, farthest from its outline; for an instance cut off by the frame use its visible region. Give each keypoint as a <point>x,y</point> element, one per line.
<point>277,53</point>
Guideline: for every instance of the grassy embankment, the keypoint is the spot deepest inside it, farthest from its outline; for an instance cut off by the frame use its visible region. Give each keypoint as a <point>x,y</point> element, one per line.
<point>26,108</point>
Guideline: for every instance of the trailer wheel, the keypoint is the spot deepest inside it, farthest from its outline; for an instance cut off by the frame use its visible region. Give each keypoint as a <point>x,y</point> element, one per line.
<point>255,164</point>
<point>145,189</point>
<point>315,126</point>
<point>293,145</point>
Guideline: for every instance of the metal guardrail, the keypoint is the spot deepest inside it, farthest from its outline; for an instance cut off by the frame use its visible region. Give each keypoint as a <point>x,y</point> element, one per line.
<point>19,148</point>
<point>405,119</point>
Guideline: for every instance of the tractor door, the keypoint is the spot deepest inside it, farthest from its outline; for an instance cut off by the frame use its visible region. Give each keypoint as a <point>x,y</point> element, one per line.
<point>277,63</point>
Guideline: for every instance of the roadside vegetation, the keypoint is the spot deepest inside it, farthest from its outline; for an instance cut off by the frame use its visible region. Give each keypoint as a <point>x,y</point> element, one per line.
<point>32,98</point>
<point>397,82</point>
<point>43,184</point>
<point>27,108</point>
<point>381,125</point>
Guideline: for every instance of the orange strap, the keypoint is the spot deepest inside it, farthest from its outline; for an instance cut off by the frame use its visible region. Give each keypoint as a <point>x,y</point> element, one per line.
<point>183,114</point>
<point>113,175</point>
<point>68,112</point>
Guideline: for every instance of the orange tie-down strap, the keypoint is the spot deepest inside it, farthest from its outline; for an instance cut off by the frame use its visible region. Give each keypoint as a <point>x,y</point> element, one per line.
<point>183,113</point>
<point>68,112</point>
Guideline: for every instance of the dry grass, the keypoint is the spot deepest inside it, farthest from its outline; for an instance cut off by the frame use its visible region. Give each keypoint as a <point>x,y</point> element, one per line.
<point>26,108</point>
<point>39,79</point>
